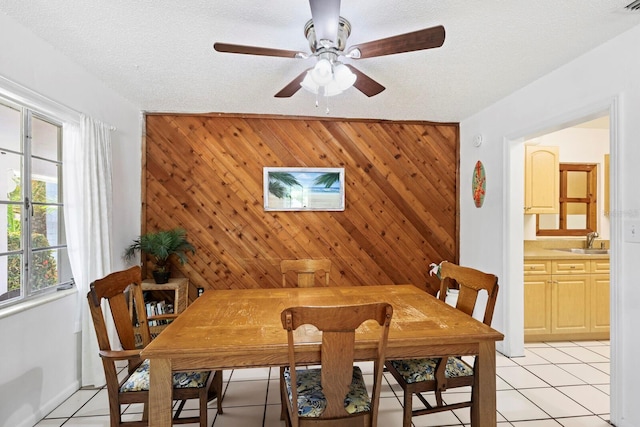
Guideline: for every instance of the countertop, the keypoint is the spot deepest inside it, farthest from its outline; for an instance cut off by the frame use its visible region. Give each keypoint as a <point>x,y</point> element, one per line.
<point>542,253</point>
<point>548,249</point>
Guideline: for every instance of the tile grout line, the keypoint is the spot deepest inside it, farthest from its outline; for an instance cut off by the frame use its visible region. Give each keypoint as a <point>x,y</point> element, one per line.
<point>66,420</point>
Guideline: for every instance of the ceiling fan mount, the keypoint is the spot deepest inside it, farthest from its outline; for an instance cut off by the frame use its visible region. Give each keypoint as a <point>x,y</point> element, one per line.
<point>327,33</point>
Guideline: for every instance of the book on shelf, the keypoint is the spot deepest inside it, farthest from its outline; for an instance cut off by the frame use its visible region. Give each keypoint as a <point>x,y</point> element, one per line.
<point>156,308</point>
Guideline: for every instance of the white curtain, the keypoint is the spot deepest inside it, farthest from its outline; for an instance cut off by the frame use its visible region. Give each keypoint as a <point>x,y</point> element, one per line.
<point>87,201</point>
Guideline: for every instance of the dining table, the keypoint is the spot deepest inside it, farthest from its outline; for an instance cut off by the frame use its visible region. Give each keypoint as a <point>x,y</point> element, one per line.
<point>241,328</point>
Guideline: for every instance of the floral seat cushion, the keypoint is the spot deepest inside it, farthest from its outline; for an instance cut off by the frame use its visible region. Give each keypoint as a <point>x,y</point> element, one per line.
<point>311,400</point>
<point>139,380</point>
<point>418,370</point>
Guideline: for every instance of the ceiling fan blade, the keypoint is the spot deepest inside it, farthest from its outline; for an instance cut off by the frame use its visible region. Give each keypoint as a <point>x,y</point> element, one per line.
<point>293,87</point>
<point>364,83</point>
<point>326,16</point>
<point>409,42</point>
<point>255,50</point>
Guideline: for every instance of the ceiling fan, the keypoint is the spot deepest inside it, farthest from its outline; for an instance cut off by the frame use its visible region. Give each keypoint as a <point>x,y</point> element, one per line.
<point>327,33</point>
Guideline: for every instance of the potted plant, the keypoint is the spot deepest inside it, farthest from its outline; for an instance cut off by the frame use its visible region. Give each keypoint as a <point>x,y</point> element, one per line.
<point>160,246</point>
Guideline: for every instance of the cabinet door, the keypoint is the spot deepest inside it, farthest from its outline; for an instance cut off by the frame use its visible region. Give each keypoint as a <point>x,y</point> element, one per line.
<point>600,303</point>
<point>571,304</point>
<point>541,180</point>
<point>537,304</point>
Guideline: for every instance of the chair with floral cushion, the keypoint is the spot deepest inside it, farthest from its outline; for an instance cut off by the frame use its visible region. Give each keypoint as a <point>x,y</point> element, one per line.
<point>417,376</point>
<point>306,270</point>
<point>133,386</point>
<point>335,393</point>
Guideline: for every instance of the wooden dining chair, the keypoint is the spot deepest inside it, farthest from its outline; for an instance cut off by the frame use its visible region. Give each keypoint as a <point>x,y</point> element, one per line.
<point>335,394</point>
<point>133,386</point>
<point>306,270</point>
<point>416,376</point>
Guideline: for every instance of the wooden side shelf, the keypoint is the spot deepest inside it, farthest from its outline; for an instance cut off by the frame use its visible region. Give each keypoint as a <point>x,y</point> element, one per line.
<point>180,300</point>
<point>180,286</point>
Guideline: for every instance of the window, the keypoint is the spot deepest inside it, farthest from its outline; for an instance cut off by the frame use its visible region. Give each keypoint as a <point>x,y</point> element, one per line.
<point>578,203</point>
<point>33,250</point>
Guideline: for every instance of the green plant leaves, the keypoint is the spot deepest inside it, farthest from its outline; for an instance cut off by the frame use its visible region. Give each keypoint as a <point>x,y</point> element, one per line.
<point>161,245</point>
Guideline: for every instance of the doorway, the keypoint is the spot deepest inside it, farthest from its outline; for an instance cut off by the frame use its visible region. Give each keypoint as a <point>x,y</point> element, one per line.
<point>514,228</point>
<point>580,165</point>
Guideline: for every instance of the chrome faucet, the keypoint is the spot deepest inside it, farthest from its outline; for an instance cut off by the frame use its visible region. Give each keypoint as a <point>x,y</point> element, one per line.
<point>590,238</point>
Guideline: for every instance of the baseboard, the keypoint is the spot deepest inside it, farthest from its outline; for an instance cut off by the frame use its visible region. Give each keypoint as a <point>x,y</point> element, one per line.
<point>588,336</point>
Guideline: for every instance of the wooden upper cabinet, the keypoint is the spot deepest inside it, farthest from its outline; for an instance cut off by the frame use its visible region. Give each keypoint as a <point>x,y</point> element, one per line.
<point>541,180</point>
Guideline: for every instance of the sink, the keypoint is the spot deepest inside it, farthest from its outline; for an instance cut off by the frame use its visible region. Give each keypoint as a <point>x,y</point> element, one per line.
<point>591,251</point>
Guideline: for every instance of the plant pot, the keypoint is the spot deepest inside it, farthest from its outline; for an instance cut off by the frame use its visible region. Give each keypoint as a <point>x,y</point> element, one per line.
<point>161,277</point>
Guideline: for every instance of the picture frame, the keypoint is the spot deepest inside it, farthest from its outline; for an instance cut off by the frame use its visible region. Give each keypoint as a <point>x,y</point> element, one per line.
<point>303,189</point>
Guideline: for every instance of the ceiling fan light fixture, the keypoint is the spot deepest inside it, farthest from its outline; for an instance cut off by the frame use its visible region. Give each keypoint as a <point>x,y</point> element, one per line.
<point>310,85</point>
<point>322,73</point>
<point>328,78</point>
<point>332,89</point>
<point>343,76</point>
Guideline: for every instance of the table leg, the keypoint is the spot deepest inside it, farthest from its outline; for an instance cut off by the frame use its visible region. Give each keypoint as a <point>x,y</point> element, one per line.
<point>483,410</point>
<point>160,392</point>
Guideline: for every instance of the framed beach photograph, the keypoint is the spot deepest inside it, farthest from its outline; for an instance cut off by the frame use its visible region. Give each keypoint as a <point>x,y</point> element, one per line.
<point>303,189</point>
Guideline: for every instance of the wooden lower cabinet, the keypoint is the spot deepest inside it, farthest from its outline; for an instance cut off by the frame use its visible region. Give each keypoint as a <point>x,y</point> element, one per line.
<point>570,304</point>
<point>600,315</point>
<point>563,301</point>
<point>537,305</point>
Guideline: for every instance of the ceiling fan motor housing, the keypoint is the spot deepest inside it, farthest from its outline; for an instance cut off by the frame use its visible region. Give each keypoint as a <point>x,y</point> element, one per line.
<point>344,30</point>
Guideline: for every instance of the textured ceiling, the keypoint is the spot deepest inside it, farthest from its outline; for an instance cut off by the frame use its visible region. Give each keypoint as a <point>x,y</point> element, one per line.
<point>158,53</point>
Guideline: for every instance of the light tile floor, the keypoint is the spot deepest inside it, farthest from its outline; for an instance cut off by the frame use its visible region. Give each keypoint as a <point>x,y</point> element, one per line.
<point>555,384</point>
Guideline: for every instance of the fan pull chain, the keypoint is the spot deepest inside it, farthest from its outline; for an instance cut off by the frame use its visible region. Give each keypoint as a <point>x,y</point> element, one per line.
<point>322,92</point>
<point>326,100</point>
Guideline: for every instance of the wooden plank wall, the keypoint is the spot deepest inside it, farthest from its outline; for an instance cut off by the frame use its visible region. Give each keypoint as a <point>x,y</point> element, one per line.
<point>204,173</point>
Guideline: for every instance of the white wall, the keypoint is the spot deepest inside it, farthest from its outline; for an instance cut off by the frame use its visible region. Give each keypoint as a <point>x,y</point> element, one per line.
<point>38,350</point>
<point>604,79</point>
<point>38,347</point>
